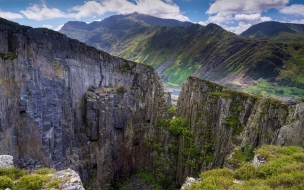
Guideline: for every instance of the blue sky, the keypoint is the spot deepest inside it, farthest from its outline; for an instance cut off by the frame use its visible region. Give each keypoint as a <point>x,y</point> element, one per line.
<point>234,15</point>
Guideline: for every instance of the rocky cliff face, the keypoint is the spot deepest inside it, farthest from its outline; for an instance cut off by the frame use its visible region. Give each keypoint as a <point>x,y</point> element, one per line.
<point>222,119</point>
<point>64,104</point>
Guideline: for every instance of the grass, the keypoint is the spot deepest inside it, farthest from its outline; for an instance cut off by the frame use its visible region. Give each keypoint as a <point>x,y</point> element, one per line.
<point>284,169</point>
<point>39,179</point>
<point>269,89</point>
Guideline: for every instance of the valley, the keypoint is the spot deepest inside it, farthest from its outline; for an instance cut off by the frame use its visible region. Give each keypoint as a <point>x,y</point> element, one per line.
<point>208,52</point>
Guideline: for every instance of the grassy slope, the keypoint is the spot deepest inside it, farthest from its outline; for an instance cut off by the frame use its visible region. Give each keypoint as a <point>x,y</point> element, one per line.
<point>284,169</point>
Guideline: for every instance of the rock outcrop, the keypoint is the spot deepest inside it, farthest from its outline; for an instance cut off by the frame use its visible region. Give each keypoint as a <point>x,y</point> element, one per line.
<point>65,104</point>
<point>6,161</point>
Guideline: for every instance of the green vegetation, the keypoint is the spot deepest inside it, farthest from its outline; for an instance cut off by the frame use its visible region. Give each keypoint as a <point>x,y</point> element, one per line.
<point>240,157</point>
<point>44,171</point>
<point>5,182</point>
<point>284,169</point>
<point>172,110</point>
<point>266,88</point>
<point>121,90</point>
<point>30,182</point>
<point>35,181</point>
<point>54,183</point>
<point>13,173</point>
<point>8,56</point>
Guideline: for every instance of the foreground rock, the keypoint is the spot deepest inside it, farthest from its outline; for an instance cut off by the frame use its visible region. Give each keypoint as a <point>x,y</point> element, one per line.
<point>70,180</point>
<point>6,161</point>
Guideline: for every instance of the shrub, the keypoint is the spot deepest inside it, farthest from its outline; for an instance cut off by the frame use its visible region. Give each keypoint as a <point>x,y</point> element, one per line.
<point>179,126</point>
<point>30,182</point>
<point>13,173</point>
<point>246,172</point>
<point>6,182</point>
<point>54,183</point>
<point>121,90</point>
<point>172,110</point>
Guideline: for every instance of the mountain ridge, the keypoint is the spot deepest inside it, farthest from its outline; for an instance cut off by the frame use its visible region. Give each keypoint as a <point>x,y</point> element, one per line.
<point>209,52</point>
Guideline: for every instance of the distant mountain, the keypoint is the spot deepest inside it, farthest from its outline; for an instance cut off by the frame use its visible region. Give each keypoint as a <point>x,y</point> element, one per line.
<point>285,32</point>
<point>209,52</point>
<point>114,27</point>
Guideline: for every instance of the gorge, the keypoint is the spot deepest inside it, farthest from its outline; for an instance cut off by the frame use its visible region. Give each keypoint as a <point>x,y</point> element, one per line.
<point>65,104</point>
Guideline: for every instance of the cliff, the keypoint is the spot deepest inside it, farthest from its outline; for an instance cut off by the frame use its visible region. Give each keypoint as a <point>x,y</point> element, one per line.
<point>65,104</point>
<point>223,121</point>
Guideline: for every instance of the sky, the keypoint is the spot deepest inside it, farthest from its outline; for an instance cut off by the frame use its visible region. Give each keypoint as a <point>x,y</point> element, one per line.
<point>233,15</point>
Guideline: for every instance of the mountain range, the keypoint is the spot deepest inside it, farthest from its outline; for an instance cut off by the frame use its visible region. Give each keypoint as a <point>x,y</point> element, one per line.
<point>254,61</point>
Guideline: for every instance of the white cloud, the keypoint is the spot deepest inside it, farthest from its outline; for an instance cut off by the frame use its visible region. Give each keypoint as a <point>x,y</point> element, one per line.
<point>37,12</point>
<point>245,6</point>
<point>243,12</point>
<point>238,29</point>
<point>157,8</point>
<point>293,9</point>
<point>220,18</point>
<point>10,15</point>
<point>47,26</point>
<point>297,21</point>
<point>248,18</point>
<point>58,27</point>
<point>202,23</point>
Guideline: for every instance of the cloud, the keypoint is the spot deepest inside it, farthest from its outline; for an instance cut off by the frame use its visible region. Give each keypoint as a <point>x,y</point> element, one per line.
<point>242,12</point>
<point>220,18</point>
<point>248,18</point>
<point>37,12</point>
<point>47,26</point>
<point>58,27</point>
<point>297,21</point>
<point>159,8</point>
<point>202,23</point>
<point>295,9</point>
<point>245,6</point>
<point>238,29</point>
<point>10,15</point>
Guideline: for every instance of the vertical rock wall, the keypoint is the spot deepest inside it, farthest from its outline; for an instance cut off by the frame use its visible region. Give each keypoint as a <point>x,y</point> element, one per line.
<point>64,104</point>
<point>221,119</point>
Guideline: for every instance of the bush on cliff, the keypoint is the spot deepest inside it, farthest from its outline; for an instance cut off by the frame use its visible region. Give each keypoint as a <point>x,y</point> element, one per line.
<point>284,169</point>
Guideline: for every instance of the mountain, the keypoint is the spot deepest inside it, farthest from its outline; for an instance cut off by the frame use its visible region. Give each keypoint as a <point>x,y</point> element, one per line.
<point>113,28</point>
<point>208,52</point>
<point>285,32</point>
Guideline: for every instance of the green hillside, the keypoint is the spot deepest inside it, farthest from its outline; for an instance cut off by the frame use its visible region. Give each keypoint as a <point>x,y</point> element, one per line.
<point>179,50</point>
<point>285,32</point>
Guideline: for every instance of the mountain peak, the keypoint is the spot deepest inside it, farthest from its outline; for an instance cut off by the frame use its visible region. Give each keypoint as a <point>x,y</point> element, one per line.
<point>276,30</point>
